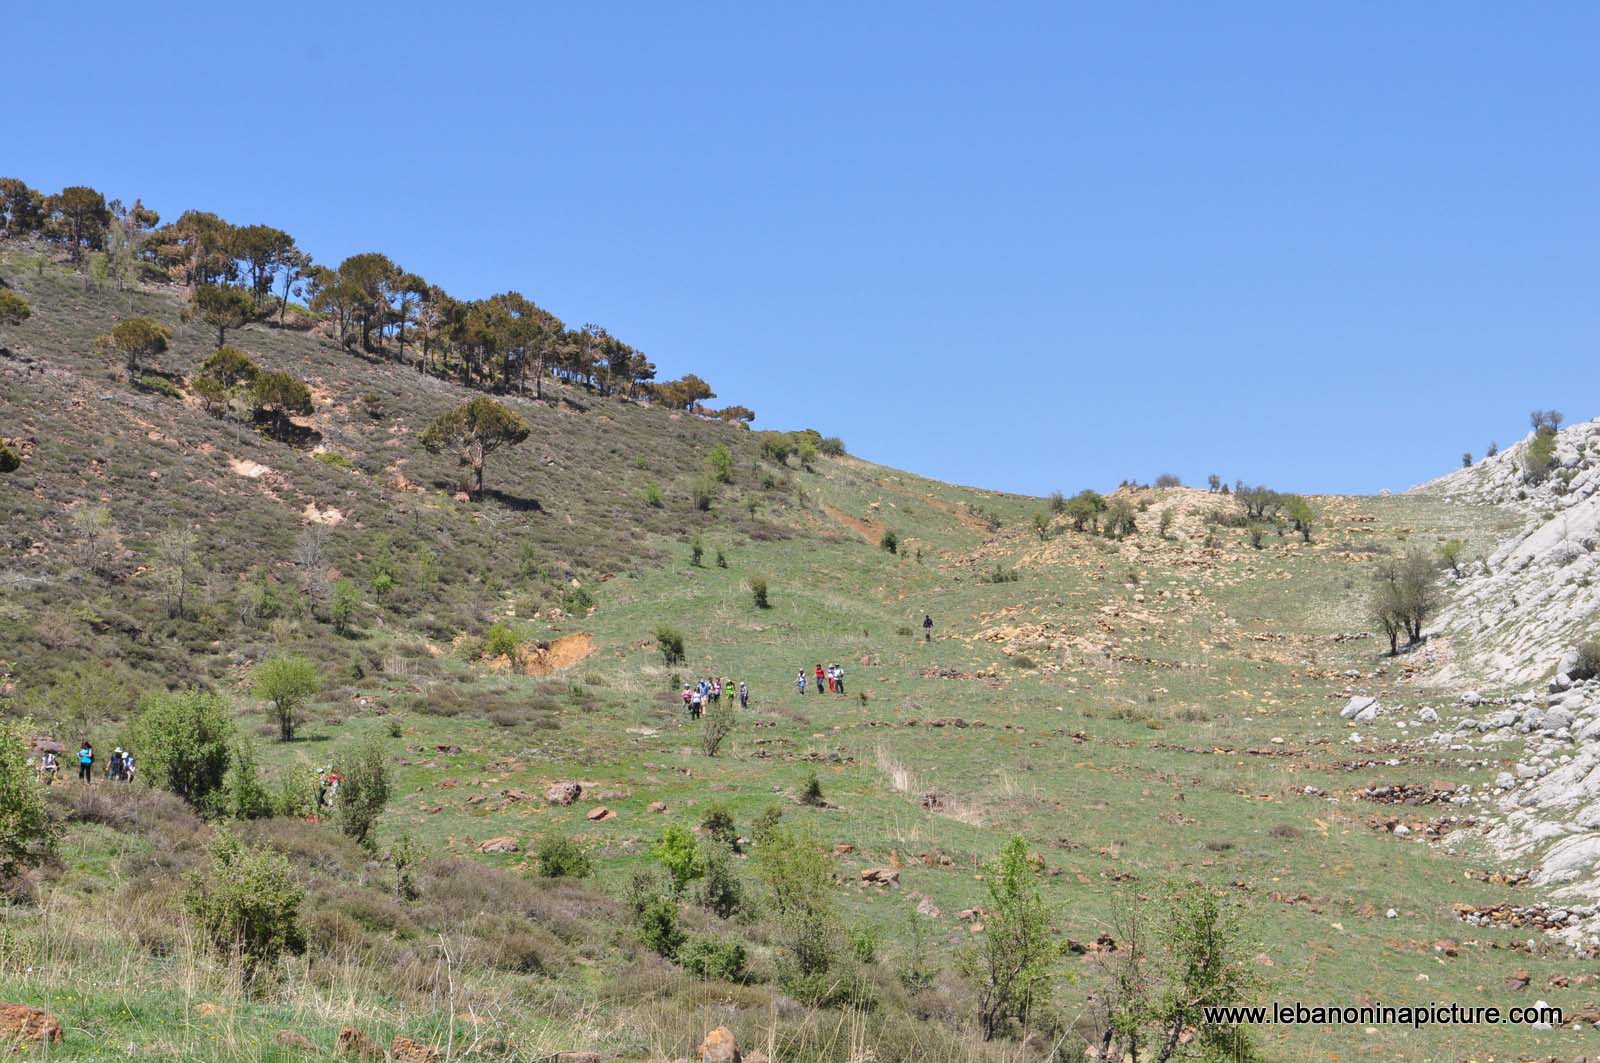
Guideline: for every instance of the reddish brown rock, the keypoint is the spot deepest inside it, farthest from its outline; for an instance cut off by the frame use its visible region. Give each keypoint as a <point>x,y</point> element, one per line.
<point>352,1042</point>
<point>405,1050</point>
<point>720,1047</point>
<point>18,1022</point>
<point>880,876</point>
<point>601,812</point>
<point>290,1039</point>
<point>502,844</point>
<point>562,793</point>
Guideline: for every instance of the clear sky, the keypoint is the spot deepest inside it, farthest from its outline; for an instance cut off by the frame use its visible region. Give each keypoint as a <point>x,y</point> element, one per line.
<point>1026,246</point>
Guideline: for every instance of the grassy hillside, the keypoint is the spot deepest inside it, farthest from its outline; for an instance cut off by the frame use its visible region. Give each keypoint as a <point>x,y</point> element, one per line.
<point>1158,709</point>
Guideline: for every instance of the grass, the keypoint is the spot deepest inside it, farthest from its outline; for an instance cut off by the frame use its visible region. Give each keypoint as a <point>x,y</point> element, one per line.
<point>1141,711</point>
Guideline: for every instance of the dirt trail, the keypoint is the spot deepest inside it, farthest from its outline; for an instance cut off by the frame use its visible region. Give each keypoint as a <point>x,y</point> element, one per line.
<point>869,531</point>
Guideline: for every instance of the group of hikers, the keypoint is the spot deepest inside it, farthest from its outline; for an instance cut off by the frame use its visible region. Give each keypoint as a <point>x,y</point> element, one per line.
<point>830,679</point>
<point>709,691</point>
<point>119,767</point>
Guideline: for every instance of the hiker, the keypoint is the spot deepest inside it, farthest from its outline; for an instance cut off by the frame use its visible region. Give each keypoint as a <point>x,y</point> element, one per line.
<point>744,694</point>
<point>48,766</point>
<point>127,766</point>
<point>838,679</point>
<point>687,694</point>
<point>927,627</point>
<point>800,682</point>
<point>86,763</point>
<point>696,705</point>
<point>821,677</point>
<point>716,691</point>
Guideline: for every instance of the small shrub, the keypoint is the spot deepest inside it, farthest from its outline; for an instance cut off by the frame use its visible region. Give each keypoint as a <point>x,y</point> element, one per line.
<point>717,825</point>
<point>705,491</point>
<point>811,792</point>
<point>247,798</point>
<point>183,743</point>
<point>652,496</point>
<point>10,460</point>
<point>719,464</point>
<point>1168,479</point>
<point>248,905</point>
<point>758,592</point>
<point>712,959</point>
<point>1164,524</point>
<point>722,559</point>
<point>680,855</point>
<point>560,857</point>
<point>716,724</point>
<point>286,681</point>
<point>1588,659</point>
<point>333,458</point>
<point>658,926</point>
<point>501,640</point>
<point>890,541</point>
<point>697,552</point>
<point>577,600</point>
<point>1001,575</point>
<point>160,385</point>
<point>669,640</point>
<point>863,942</point>
<point>364,793</point>
<point>27,833</point>
<point>720,890</point>
<point>1022,660</point>
<point>343,604</point>
<point>832,446</point>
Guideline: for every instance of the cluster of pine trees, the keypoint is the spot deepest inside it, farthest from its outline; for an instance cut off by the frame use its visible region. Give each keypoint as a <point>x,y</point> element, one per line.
<point>242,273</point>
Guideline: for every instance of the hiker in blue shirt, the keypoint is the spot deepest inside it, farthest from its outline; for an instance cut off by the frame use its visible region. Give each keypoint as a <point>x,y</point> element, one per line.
<point>86,763</point>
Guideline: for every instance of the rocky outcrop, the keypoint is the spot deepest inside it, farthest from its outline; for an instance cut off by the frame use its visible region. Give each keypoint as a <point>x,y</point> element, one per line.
<point>20,1023</point>
<point>719,1047</point>
<point>1514,612</point>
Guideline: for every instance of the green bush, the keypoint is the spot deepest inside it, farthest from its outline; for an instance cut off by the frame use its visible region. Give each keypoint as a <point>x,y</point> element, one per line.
<point>560,857</point>
<point>705,491</point>
<point>500,640</point>
<point>758,592</point>
<point>364,793</point>
<point>720,889</point>
<point>713,959</point>
<point>680,855</point>
<point>27,833</point>
<point>890,541</point>
<point>658,926</point>
<point>248,905</point>
<point>652,496</point>
<point>669,640</point>
<point>160,385</point>
<point>577,600</point>
<point>1588,659</point>
<point>10,460</point>
<point>719,463</point>
<point>832,446</point>
<point>337,460</point>
<point>1001,575</point>
<point>717,824</point>
<point>1540,455</point>
<point>343,605</point>
<point>863,942</point>
<point>247,798</point>
<point>286,681</point>
<point>697,552</point>
<point>811,792</point>
<point>183,739</point>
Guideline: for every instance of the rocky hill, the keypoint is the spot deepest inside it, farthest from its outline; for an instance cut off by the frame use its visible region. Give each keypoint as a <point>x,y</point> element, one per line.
<point>1519,608</point>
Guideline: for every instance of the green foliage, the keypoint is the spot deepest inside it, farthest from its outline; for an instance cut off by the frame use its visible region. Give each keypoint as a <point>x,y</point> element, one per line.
<point>915,972</point>
<point>1404,594</point>
<point>364,793</point>
<point>1121,518</point>
<point>1168,479</point>
<point>1164,525</point>
<point>14,309</point>
<point>501,640</point>
<point>720,889</point>
<point>286,681</point>
<point>1540,455</point>
<point>832,446</point>
<point>212,395</point>
<point>27,833</point>
<point>223,307</point>
<point>890,541</point>
<point>229,367</point>
<point>712,959</point>
<point>1010,965</point>
<point>137,339</point>
<point>1451,551</point>
<point>799,890</point>
<point>758,592</point>
<point>1466,459</point>
<point>1084,510</point>
<point>475,429</point>
<point>276,396</point>
<point>577,601</point>
<point>342,606</point>
<point>560,857</point>
<point>10,460</point>
<point>811,792</point>
<point>334,458</point>
<point>719,464</point>
<point>669,640</point>
<point>680,855</point>
<point>863,942</point>
<point>1588,659</point>
<point>1300,515</point>
<point>1206,963</point>
<point>652,496</point>
<point>246,797</point>
<point>160,385</point>
<point>704,493</point>
<point>697,552</point>
<point>1041,525</point>
<point>658,926</point>
<point>183,740</point>
<point>717,824</point>
<point>998,574</point>
<point>248,905</point>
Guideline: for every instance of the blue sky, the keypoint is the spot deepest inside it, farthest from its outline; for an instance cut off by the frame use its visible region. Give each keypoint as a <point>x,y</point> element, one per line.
<point>1026,246</point>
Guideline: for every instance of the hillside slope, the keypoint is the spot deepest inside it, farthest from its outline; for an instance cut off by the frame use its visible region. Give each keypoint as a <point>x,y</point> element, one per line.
<point>1151,711</point>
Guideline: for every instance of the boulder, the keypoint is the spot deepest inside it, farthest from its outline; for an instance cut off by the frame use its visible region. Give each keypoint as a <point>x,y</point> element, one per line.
<point>1571,664</point>
<point>1355,706</point>
<point>1471,698</point>
<point>352,1042</point>
<point>600,812</point>
<point>503,844</point>
<point>1556,720</point>
<point>880,876</point>
<point>562,793</point>
<point>1561,682</point>
<point>719,1047</point>
<point>19,1022</point>
<point>1368,713</point>
<point>405,1050</point>
<point>656,806</point>
<point>291,1039</point>
<point>1428,715</point>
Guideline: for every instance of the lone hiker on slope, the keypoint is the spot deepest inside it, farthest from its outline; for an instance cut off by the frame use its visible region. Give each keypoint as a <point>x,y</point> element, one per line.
<point>927,628</point>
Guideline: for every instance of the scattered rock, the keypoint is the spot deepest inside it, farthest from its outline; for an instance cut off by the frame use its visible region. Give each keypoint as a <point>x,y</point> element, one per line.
<point>503,844</point>
<point>405,1050</point>
<point>720,1047</point>
<point>1518,980</point>
<point>599,813</point>
<point>880,876</point>
<point>290,1039</point>
<point>656,806</point>
<point>352,1042</point>
<point>562,793</point>
<point>18,1022</point>
<point>1355,706</point>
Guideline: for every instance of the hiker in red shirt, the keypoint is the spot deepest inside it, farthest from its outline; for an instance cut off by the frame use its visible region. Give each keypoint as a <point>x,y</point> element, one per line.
<point>822,676</point>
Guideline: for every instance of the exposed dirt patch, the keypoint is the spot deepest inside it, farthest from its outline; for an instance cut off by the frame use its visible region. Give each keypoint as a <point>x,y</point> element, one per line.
<point>312,515</point>
<point>872,533</point>
<point>546,658</point>
<point>250,470</point>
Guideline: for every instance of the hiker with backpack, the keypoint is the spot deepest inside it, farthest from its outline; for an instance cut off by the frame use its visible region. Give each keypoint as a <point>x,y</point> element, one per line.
<point>86,762</point>
<point>822,677</point>
<point>927,627</point>
<point>744,694</point>
<point>838,679</point>
<point>800,682</point>
<point>48,767</point>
